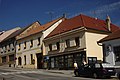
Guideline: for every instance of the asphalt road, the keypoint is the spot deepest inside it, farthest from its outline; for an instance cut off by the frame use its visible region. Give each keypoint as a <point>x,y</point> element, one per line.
<point>17,74</point>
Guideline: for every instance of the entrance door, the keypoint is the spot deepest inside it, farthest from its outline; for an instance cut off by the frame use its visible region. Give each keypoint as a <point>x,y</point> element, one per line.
<point>39,60</point>
<point>19,61</point>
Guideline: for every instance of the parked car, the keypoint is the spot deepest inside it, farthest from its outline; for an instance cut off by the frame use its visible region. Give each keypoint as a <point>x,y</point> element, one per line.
<point>96,70</point>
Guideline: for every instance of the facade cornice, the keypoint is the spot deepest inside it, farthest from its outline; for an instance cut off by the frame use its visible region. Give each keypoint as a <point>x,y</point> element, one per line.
<point>66,33</point>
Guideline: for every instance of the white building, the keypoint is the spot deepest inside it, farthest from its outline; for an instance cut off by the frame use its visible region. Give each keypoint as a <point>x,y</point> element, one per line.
<point>111,48</point>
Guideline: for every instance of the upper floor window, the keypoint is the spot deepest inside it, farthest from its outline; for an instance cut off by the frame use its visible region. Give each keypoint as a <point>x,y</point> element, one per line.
<point>39,41</point>
<point>31,43</point>
<point>68,43</point>
<point>58,45</point>
<point>18,46</point>
<point>50,47</point>
<point>24,45</point>
<point>77,41</point>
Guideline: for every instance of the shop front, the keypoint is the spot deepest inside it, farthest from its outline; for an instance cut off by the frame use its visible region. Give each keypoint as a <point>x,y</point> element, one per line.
<point>66,61</point>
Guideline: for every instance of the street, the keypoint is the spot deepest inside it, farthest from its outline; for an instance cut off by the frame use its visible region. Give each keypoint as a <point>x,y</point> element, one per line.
<point>36,74</point>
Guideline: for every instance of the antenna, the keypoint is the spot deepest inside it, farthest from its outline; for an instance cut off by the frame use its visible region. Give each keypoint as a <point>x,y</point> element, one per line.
<point>51,15</point>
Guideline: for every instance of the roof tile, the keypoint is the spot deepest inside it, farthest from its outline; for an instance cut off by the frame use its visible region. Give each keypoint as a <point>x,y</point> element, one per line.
<point>80,21</point>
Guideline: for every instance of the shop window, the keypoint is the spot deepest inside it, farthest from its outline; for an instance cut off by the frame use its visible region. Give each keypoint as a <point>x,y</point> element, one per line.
<point>52,63</point>
<point>50,47</point>
<point>77,41</point>
<point>68,43</point>
<point>58,45</point>
<point>39,41</point>
<point>92,60</point>
<point>31,43</point>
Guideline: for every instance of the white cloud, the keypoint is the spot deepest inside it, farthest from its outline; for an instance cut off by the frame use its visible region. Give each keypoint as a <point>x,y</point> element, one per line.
<point>108,8</point>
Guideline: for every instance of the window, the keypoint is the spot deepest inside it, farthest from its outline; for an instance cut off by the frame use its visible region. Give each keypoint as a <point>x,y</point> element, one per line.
<point>31,43</point>
<point>4,59</point>
<point>58,45</point>
<point>50,47</point>
<point>18,47</point>
<point>24,45</point>
<point>8,47</point>
<point>68,43</point>
<point>39,41</point>
<point>25,59</point>
<point>77,41</point>
<point>32,60</point>
<point>11,57</point>
<point>117,53</point>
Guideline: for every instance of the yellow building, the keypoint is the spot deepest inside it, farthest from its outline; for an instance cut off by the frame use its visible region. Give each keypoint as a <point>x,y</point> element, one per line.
<point>75,39</point>
<point>29,47</point>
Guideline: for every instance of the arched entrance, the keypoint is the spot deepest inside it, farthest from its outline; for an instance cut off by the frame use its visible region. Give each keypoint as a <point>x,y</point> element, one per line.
<point>19,61</point>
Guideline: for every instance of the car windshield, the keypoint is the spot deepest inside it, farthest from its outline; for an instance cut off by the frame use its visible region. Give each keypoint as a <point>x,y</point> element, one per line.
<point>107,65</point>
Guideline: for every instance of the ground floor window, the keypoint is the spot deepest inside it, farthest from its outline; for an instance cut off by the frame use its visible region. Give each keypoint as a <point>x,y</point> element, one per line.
<point>67,61</point>
<point>11,57</point>
<point>4,59</point>
<point>92,60</point>
<point>19,61</point>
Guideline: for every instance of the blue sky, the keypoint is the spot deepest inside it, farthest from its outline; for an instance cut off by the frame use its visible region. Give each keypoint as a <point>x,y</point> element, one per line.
<point>21,13</point>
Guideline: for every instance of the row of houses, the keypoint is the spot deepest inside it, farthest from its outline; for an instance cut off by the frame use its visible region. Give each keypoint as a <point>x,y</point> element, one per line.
<point>58,43</point>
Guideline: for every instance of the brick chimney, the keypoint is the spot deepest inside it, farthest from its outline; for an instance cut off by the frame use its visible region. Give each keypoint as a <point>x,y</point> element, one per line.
<point>108,22</point>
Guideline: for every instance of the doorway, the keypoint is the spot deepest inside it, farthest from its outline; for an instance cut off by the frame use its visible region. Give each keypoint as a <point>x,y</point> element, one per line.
<point>19,61</point>
<point>39,61</point>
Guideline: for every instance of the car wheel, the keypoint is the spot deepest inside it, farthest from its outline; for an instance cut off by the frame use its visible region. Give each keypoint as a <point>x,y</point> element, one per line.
<point>95,75</point>
<point>76,73</point>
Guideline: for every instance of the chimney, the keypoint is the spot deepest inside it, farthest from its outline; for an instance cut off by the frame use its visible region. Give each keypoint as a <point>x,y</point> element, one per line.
<point>108,22</point>
<point>64,15</point>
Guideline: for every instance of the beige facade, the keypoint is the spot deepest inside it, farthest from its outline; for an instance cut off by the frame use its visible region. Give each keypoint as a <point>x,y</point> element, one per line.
<point>92,48</point>
<point>32,57</point>
<point>78,44</point>
<point>26,49</point>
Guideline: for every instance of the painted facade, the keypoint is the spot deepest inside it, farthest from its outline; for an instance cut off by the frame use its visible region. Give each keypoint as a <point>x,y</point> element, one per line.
<point>30,48</point>
<point>111,48</point>
<point>7,47</point>
<point>75,39</point>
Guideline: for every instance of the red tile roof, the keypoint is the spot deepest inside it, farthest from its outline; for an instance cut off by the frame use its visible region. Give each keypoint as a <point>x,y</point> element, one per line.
<point>114,35</point>
<point>39,28</point>
<point>80,21</point>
